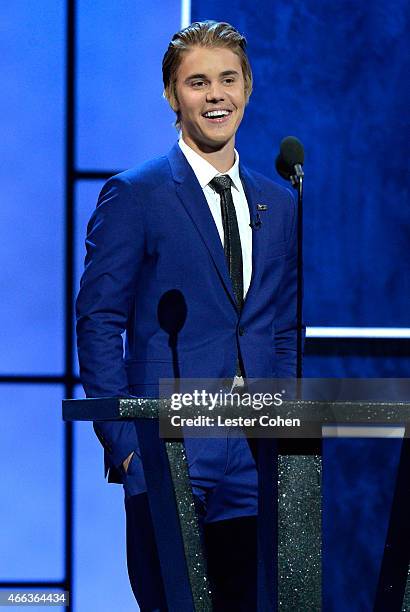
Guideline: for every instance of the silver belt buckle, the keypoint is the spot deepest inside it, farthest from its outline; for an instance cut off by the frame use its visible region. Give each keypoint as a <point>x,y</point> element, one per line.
<point>237,382</point>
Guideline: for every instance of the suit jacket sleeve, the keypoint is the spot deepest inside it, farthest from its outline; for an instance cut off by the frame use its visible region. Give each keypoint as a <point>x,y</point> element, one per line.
<point>114,251</point>
<point>286,320</point>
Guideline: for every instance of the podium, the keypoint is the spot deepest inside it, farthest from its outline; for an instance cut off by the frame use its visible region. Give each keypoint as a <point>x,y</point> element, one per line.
<point>289,521</point>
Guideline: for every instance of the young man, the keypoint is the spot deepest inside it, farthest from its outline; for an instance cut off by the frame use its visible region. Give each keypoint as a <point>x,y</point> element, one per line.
<point>187,227</point>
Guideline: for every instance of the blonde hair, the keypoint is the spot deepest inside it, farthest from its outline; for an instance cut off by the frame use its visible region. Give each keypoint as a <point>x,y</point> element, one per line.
<point>202,34</point>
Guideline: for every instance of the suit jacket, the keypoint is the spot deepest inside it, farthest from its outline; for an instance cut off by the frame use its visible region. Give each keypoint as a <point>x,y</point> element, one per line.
<point>155,268</point>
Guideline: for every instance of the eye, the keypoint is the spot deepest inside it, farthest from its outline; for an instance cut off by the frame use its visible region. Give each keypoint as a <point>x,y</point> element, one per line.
<point>197,84</point>
<point>229,80</point>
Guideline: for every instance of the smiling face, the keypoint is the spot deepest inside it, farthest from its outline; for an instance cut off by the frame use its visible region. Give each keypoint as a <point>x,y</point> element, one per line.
<point>210,97</point>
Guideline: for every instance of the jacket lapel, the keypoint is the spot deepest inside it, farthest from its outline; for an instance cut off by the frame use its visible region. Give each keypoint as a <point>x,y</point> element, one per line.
<point>254,196</point>
<point>192,197</point>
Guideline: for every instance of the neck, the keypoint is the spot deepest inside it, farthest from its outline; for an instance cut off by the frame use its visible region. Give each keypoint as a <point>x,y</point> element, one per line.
<point>221,159</point>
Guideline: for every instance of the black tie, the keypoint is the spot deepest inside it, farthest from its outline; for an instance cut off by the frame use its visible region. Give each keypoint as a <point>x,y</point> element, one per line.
<point>232,242</point>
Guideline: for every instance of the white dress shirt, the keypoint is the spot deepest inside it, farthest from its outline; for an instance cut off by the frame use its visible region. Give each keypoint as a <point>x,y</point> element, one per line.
<point>205,172</point>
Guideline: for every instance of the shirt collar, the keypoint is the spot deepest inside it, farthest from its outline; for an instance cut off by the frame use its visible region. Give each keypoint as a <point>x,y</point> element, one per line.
<point>204,171</point>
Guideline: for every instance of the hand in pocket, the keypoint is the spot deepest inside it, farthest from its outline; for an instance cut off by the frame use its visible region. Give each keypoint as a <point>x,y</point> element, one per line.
<point>126,462</point>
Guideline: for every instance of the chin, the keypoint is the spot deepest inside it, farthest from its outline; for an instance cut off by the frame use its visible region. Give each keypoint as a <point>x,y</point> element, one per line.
<point>219,139</point>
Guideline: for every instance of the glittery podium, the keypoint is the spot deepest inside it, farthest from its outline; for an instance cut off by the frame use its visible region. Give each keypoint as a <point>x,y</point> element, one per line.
<point>289,530</point>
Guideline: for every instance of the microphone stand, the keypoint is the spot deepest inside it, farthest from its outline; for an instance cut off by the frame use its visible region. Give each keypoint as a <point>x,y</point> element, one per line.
<point>297,182</point>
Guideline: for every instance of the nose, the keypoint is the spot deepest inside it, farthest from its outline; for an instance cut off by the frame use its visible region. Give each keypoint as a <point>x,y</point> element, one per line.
<point>215,92</point>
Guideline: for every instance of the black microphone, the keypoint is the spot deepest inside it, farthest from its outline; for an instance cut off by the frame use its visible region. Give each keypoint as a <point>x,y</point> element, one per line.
<point>256,222</point>
<point>289,164</point>
<point>290,160</point>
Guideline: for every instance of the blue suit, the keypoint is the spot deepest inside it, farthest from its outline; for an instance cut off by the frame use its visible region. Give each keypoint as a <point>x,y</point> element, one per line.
<point>155,267</point>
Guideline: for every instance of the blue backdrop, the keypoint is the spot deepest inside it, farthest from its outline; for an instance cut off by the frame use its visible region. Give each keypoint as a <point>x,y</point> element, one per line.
<point>337,78</point>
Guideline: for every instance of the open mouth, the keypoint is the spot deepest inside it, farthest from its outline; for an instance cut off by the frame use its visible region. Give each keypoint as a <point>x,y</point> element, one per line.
<point>217,116</point>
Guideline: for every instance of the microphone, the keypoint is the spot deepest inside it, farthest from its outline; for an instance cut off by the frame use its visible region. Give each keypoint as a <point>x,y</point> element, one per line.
<point>256,222</point>
<point>289,164</point>
<point>290,160</point>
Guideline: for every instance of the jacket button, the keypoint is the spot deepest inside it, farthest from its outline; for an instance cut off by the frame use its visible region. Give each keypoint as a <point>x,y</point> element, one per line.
<point>241,331</point>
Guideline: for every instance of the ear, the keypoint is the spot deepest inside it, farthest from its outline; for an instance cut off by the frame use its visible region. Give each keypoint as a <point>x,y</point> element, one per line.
<point>174,105</point>
<point>173,102</point>
<point>172,98</point>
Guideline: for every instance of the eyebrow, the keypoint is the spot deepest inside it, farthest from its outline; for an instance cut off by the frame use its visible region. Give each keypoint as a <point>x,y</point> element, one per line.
<point>204,76</point>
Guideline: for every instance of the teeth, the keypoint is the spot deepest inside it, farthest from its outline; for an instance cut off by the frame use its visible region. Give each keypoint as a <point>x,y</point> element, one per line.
<point>216,113</point>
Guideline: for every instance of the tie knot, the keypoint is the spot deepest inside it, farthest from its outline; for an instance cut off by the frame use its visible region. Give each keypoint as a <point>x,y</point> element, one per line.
<point>221,183</point>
